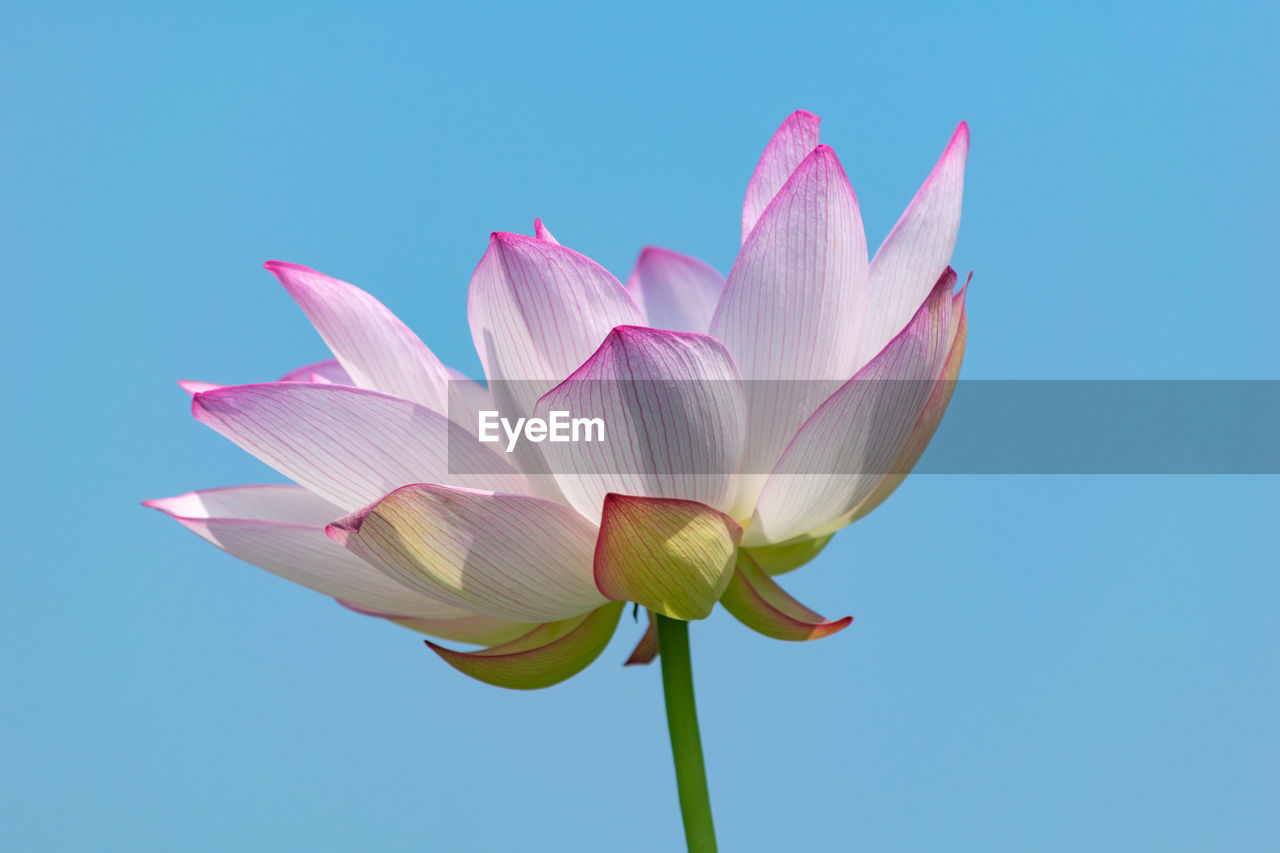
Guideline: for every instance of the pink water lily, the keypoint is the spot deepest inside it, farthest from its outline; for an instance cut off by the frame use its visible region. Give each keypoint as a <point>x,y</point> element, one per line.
<point>785,432</point>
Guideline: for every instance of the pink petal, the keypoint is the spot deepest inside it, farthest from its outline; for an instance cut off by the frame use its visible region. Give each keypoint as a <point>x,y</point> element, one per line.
<point>349,445</point>
<point>791,143</point>
<point>926,425</point>
<point>646,649</point>
<point>545,656</point>
<point>791,308</point>
<point>673,412</point>
<point>675,291</point>
<point>538,310</point>
<point>756,600</point>
<point>281,529</point>
<point>510,556</point>
<point>542,232</point>
<point>843,451</point>
<point>376,349</point>
<point>918,248</point>
<point>193,387</point>
<point>328,370</point>
<point>674,557</point>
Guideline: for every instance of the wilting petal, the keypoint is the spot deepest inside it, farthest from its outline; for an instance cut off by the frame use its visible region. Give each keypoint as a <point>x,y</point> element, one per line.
<point>545,656</point>
<point>349,445</point>
<point>852,440</point>
<point>672,556</point>
<point>790,144</point>
<point>786,557</point>
<point>917,250</point>
<point>673,413</point>
<point>510,556</point>
<point>329,370</point>
<point>542,232</point>
<point>472,628</point>
<point>925,426</point>
<point>675,291</point>
<point>647,648</point>
<point>281,529</point>
<point>537,309</point>
<point>791,309</point>
<point>757,601</point>
<point>376,349</point>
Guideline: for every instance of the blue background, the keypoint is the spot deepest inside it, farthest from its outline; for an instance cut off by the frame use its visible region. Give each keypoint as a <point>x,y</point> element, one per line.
<point>1037,663</point>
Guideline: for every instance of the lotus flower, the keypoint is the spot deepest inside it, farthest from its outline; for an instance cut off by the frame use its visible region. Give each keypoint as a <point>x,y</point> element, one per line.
<point>750,419</point>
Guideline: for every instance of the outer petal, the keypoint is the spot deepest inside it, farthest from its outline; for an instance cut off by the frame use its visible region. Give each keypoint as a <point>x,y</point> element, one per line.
<point>511,556</point>
<point>674,557</point>
<point>537,309</point>
<point>925,427</point>
<point>792,142</point>
<point>783,558</point>
<point>472,628</point>
<point>193,386</point>
<point>349,445</point>
<point>917,250</point>
<point>376,349</point>
<point>673,413</point>
<point>852,440</point>
<point>545,656</point>
<point>281,529</point>
<point>329,369</point>
<point>791,308</point>
<point>757,601</point>
<point>675,291</point>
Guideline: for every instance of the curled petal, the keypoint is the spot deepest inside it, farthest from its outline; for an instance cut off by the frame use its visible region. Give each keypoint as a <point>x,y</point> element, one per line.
<point>376,349</point>
<point>917,250</point>
<point>672,411</point>
<point>675,291</point>
<point>757,601</point>
<point>672,556</point>
<point>925,427</point>
<point>790,144</point>
<point>647,649</point>
<point>843,451</point>
<point>545,656</point>
<point>510,556</point>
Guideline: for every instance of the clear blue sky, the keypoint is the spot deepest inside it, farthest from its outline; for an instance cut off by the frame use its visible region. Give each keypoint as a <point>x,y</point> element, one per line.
<point>1037,663</point>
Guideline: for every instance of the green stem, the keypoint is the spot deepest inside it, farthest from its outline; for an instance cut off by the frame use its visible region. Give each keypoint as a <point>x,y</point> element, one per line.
<point>686,743</point>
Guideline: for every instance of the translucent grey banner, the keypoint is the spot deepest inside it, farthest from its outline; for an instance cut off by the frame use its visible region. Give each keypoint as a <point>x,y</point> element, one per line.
<point>868,427</point>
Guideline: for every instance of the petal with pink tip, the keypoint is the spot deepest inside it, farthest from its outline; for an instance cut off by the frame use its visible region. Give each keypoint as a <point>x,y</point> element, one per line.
<point>925,427</point>
<point>791,309</point>
<point>281,529</point>
<point>757,601</point>
<point>917,250</point>
<point>547,655</point>
<point>672,410</point>
<point>675,291</point>
<point>842,452</point>
<point>542,232</point>
<point>514,557</point>
<point>376,349</point>
<point>674,557</point>
<point>790,144</point>
<point>538,310</point>
<point>349,445</point>
<point>328,370</point>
